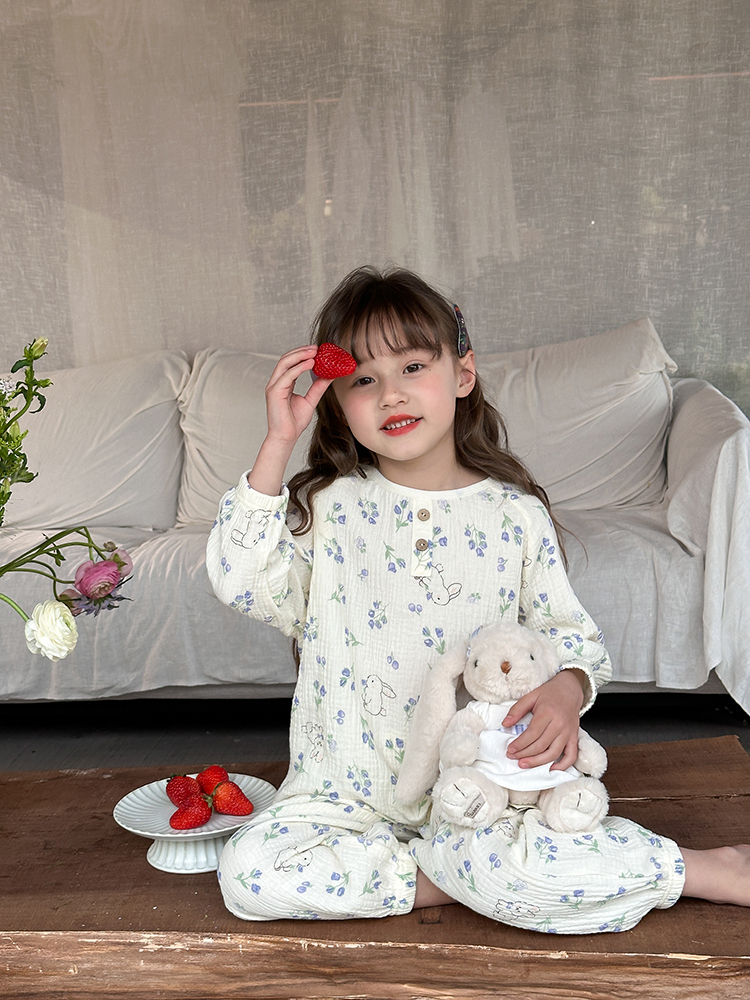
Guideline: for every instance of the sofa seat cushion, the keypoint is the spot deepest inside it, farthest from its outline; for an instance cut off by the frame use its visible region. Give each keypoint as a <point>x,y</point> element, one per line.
<point>173,631</point>
<point>589,417</point>
<point>107,446</point>
<point>636,582</point>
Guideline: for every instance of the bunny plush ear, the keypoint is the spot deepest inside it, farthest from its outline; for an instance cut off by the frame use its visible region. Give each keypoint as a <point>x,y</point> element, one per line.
<point>435,709</point>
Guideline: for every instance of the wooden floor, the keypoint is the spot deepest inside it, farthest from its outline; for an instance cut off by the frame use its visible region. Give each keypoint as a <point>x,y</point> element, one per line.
<point>83,914</point>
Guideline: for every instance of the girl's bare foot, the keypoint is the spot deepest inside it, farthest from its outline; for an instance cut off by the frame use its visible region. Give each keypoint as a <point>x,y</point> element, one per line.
<point>720,875</point>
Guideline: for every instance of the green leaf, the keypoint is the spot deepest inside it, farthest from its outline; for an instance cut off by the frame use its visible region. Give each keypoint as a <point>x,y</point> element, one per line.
<point>23,363</point>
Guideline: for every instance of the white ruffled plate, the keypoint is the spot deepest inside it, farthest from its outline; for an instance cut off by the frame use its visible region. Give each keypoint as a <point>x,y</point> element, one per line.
<point>146,811</point>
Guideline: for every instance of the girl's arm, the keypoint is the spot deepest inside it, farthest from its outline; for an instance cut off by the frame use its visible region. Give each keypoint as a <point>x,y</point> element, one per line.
<point>551,606</point>
<point>254,563</point>
<point>288,415</point>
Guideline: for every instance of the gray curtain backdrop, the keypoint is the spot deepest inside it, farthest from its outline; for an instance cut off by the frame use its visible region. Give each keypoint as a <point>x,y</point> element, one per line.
<point>199,173</point>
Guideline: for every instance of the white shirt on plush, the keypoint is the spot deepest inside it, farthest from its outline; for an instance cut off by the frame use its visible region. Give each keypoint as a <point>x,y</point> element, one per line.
<point>493,760</point>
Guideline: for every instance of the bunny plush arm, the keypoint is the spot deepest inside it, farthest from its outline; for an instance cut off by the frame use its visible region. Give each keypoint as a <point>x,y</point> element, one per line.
<point>460,745</point>
<point>592,757</point>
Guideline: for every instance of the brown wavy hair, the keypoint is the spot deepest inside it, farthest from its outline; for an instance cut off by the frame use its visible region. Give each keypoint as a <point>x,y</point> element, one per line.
<point>398,307</point>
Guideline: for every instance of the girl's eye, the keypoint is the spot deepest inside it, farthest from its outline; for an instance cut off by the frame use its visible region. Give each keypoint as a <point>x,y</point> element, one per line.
<point>364,380</point>
<point>413,367</point>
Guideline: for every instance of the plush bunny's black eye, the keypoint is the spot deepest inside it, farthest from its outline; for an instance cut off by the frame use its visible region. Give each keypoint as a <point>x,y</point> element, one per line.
<point>476,663</point>
<point>531,656</point>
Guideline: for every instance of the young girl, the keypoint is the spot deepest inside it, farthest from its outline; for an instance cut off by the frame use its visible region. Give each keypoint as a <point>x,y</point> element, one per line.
<point>411,527</point>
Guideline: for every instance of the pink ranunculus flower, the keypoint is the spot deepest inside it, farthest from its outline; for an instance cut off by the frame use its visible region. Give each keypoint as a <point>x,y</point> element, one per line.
<point>96,580</point>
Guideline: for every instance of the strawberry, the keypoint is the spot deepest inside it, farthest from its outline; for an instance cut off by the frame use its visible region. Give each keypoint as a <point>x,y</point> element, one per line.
<point>333,361</point>
<point>210,778</point>
<point>193,811</point>
<point>181,787</point>
<point>229,798</point>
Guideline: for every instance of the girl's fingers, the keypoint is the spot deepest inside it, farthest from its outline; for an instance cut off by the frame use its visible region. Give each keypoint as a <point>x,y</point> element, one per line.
<point>517,712</point>
<point>569,757</point>
<point>542,755</point>
<point>316,391</point>
<point>290,366</point>
<point>532,737</point>
<point>543,747</point>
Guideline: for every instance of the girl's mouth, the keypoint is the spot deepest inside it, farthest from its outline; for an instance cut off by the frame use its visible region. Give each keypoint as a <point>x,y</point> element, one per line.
<point>400,424</point>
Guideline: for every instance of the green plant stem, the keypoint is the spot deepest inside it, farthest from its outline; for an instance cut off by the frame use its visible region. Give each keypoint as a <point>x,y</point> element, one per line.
<point>43,548</point>
<point>47,571</point>
<point>13,604</point>
<point>28,395</point>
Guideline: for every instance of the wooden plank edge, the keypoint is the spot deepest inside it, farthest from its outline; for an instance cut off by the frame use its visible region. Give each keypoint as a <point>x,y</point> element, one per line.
<point>113,965</point>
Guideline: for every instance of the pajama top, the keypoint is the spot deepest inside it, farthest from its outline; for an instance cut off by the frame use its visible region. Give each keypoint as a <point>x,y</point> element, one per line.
<point>388,579</point>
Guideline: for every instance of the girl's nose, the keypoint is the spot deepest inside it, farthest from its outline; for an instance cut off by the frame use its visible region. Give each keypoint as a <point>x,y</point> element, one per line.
<point>392,392</point>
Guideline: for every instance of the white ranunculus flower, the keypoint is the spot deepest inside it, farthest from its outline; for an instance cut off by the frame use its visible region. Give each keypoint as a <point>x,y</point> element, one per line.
<point>51,630</point>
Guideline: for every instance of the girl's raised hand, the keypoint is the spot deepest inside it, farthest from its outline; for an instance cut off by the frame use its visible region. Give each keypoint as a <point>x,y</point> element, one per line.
<point>288,412</point>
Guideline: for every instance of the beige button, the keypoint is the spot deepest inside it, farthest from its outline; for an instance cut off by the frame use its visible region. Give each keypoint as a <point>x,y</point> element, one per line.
<point>423,514</point>
<point>422,544</point>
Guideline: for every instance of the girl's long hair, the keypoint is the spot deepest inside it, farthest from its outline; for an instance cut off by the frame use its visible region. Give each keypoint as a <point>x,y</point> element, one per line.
<point>396,306</point>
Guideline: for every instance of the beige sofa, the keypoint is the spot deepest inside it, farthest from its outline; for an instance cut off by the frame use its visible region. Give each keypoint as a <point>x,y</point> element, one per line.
<point>649,473</point>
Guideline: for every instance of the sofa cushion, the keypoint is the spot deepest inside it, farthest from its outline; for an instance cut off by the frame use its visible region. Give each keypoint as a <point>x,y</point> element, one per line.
<point>223,410</point>
<point>589,417</point>
<point>107,446</point>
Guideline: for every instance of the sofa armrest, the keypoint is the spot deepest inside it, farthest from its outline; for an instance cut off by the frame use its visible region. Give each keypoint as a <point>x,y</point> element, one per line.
<point>708,463</point>
<point>708,444</point>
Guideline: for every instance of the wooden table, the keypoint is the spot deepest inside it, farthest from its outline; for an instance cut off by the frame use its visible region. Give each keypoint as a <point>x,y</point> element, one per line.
<point>83,914</point>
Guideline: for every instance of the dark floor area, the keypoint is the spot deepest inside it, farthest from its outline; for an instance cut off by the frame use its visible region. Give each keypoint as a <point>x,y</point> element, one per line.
<point>180,732</point>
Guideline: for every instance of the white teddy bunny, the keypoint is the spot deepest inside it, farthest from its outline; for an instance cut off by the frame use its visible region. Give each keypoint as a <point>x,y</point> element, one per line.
<point>465,750</point>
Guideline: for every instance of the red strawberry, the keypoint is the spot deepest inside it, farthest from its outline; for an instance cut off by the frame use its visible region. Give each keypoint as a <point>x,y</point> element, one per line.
<point>229,798</point>
<point>332,361</point>
<point>194,811</point>
<point>181,787</point>
<point>210,778</point>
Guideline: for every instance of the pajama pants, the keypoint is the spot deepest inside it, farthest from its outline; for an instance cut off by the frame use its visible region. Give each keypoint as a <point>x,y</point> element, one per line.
<point>310,859</point>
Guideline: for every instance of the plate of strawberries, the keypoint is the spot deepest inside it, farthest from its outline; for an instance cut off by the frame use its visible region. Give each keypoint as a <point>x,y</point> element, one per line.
<point>189,817</point>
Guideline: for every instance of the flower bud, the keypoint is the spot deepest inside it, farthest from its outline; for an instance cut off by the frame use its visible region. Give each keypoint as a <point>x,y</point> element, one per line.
<point>38,348</point>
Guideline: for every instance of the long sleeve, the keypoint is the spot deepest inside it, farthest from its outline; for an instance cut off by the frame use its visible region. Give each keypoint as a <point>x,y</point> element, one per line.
<point>549,605</point>
<point>254,563</point>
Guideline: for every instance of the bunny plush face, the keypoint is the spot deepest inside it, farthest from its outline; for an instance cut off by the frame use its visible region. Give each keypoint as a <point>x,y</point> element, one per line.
<point>505,661</point>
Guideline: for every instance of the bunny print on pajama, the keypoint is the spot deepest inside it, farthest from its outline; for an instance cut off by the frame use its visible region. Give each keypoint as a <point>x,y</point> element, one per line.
<point>388,579</point>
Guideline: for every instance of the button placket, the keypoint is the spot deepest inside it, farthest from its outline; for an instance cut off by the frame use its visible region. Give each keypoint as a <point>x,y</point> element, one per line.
<point>421,560</point>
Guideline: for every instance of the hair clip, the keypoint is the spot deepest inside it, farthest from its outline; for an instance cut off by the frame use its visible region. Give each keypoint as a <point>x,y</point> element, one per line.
<point>462,344</point>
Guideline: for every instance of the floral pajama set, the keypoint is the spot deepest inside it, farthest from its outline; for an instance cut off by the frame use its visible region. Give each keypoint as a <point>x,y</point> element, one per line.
<point>385,582</point>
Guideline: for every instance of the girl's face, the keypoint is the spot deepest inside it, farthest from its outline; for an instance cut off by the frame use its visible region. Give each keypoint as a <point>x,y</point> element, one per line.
<point>401,406</point>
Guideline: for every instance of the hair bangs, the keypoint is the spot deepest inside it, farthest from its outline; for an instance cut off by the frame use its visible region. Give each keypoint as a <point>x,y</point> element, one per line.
<point>399,331</point>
